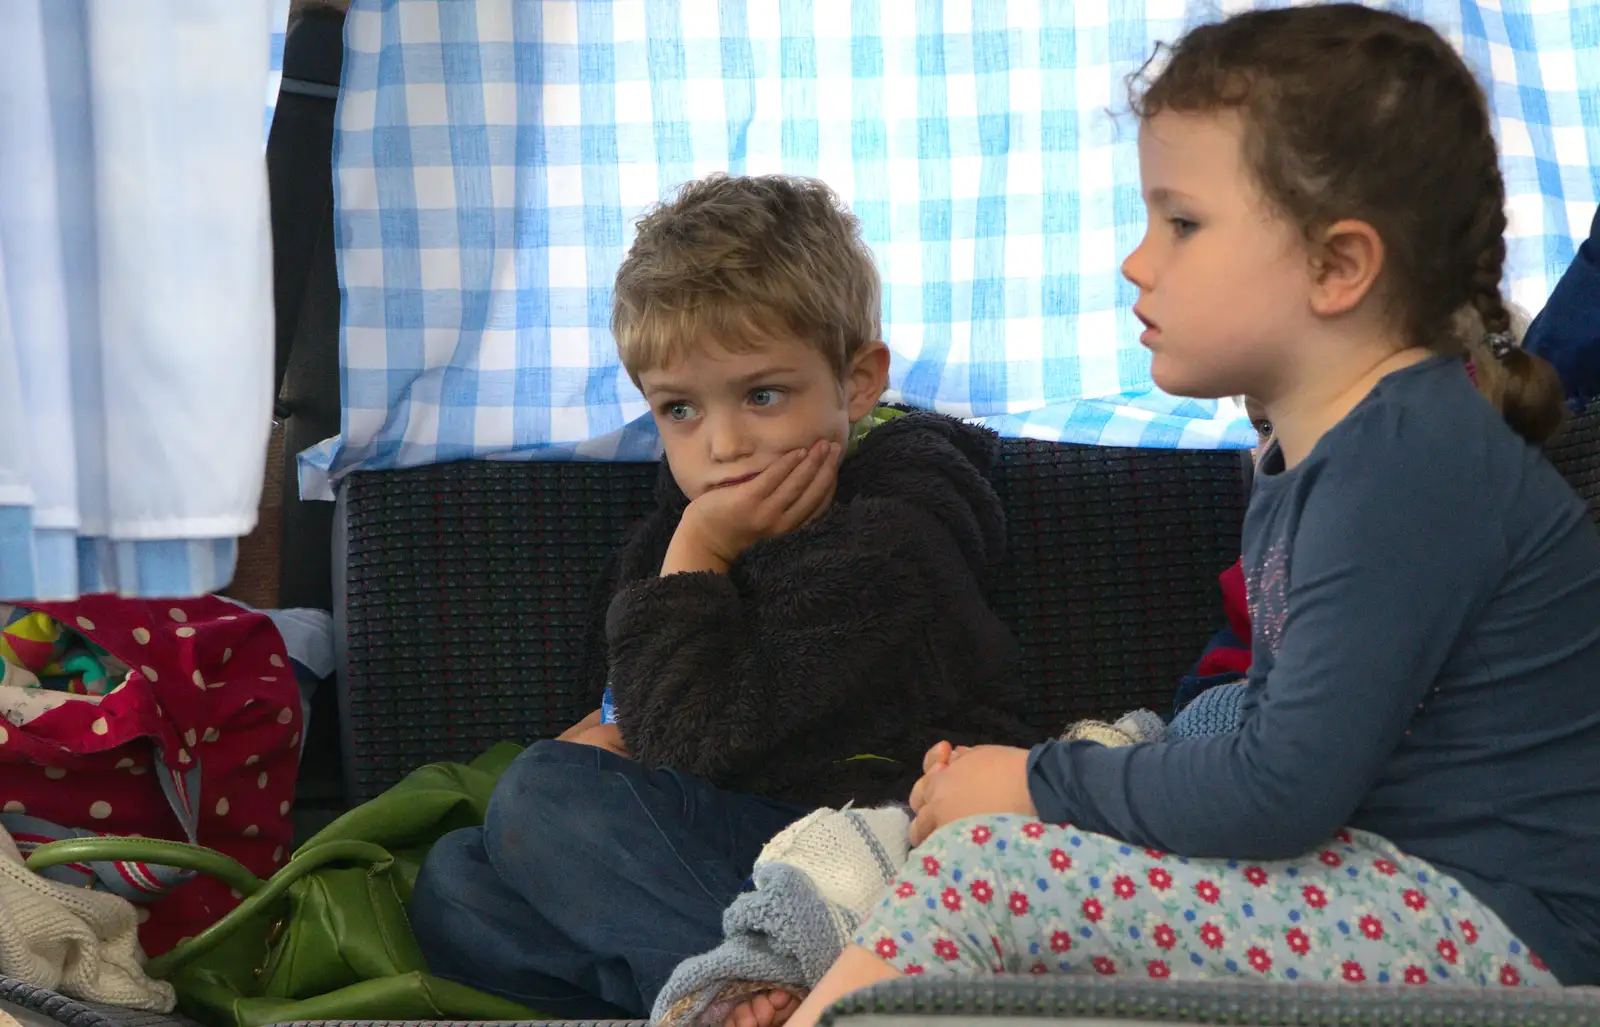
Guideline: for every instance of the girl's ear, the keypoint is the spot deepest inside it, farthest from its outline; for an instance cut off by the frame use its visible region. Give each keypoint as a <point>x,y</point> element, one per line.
<point>1348,264</point>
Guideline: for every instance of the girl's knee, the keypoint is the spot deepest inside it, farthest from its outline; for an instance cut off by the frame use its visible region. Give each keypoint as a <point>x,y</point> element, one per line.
<point>963,900</point>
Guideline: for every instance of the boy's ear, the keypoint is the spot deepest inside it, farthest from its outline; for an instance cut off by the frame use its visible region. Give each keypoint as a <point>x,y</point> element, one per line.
<point>866,379</point>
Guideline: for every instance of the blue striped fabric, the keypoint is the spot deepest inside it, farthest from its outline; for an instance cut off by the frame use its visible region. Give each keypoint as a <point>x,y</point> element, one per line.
<point>280,29</point>
<point>43,561</point>
<point>491,158</point>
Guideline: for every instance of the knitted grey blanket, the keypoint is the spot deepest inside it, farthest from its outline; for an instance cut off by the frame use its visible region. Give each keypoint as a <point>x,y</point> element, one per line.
<point>814,884</point>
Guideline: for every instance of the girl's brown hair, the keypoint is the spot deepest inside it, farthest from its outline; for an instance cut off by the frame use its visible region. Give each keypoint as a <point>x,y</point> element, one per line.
<point>1351,112</point>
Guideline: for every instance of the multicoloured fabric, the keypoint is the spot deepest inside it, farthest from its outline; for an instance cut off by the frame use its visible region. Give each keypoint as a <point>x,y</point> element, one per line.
<point>198,741</point>
<point>491,158</point>
<point>131,443</point>
<point>1005,894</point>
<point>41,652</point>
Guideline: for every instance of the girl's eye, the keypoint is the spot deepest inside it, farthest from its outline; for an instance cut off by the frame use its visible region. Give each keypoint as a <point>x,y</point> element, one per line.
<point>1183,227</point>
<point>679,411</point>
<point>764,397</point>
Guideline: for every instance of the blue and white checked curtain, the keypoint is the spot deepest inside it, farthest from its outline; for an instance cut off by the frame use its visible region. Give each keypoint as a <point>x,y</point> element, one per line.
<point>491,158</point>
<point>135,291</point>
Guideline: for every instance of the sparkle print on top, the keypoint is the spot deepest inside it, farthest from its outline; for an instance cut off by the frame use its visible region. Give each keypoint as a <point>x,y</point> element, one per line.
<point>1269,596</point>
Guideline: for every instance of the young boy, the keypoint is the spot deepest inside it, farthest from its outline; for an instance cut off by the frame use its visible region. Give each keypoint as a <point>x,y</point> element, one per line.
<point>797,623</point>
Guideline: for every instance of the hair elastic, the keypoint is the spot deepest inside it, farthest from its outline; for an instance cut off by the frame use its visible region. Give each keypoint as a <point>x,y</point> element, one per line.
<point>1500,344</point>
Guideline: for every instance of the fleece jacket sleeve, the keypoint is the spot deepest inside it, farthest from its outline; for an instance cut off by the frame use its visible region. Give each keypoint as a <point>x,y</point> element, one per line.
<point>713,672</point>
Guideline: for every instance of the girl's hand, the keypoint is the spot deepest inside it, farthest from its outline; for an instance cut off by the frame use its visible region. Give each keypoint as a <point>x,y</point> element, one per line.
<point>941,755</point>
<point>969,783</point>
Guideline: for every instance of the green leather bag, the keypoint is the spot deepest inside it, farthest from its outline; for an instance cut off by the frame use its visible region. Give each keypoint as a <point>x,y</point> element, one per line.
<point>327,937</point>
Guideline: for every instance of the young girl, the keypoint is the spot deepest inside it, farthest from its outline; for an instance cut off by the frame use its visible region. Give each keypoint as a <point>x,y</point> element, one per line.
<point>1413,795</point>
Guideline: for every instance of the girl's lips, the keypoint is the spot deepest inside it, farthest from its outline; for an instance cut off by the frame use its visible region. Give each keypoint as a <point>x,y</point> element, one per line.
<point>740,480</point>
<point>1151,329</point>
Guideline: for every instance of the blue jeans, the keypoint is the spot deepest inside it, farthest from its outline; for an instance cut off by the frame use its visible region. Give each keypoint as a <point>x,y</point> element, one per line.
<point>591,879</point>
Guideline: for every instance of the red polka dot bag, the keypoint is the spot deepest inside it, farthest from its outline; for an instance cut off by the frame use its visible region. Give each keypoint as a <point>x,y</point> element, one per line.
<point>198,742</point>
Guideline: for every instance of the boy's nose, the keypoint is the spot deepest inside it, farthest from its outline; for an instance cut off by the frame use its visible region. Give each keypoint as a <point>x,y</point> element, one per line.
<point>728,440</point>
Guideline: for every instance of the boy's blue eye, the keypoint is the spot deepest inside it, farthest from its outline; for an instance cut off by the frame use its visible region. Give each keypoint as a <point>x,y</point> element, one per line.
<point>679,411</point>
<point>764,397</point>
<point>1183,227</point>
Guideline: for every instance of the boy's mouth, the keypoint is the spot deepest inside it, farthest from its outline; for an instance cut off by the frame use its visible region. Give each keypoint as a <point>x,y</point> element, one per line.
<point>740,480</point>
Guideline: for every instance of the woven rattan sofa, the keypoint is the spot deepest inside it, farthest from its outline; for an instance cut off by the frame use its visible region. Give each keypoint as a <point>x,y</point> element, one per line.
<point>1110,585</point>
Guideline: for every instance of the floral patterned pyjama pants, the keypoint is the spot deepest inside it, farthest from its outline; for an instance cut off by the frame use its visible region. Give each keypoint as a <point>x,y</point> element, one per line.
<point>1005,894</point>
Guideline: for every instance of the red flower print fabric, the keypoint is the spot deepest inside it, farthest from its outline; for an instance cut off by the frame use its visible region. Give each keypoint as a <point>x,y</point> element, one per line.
<point>1000,894</point>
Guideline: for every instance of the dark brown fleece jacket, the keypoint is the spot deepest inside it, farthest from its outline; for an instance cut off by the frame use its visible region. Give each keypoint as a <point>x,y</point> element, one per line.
<point>828,660</point>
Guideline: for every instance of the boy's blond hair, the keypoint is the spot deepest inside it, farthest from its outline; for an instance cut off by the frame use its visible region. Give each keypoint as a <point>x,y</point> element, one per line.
<point>744,260</point>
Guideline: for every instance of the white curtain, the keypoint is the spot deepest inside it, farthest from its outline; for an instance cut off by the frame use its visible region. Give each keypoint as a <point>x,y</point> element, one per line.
<point>135,292</point>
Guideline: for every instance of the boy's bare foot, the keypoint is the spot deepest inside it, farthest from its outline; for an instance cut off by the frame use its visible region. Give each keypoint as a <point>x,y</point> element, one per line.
<point>768,1009</point>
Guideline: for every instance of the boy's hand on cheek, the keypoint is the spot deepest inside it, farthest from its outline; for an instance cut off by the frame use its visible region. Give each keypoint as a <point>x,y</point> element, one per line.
<point>722,523</point>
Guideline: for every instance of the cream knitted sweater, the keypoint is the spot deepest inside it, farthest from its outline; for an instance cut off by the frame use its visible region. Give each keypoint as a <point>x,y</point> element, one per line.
<point>79,942</point>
